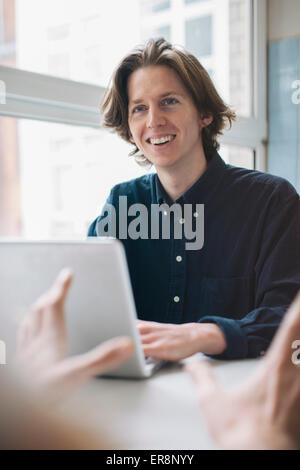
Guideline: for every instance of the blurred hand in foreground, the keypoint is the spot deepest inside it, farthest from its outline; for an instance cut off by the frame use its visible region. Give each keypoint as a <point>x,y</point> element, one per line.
<point>42,345</point>
<point>263,412</point>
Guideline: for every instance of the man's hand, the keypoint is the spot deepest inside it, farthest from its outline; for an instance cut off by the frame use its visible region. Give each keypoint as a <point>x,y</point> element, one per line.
<point>175,342</point>
<point>42,344</point>
<point>262,413</point>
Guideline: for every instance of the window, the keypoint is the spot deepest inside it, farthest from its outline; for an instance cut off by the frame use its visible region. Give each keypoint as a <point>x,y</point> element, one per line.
<point>80,43</point>
<point>153,6</point>
<point>193,1</point>
<point>198,36</point>
<point>218,32</point>
<point>58,65</point>
<point>61,32</point>
<point>165,32</point>
<point>92,62</point>
<point>160,5</point>
<point>65,35</point>
<point>55,178</point>
<point>238,156</point>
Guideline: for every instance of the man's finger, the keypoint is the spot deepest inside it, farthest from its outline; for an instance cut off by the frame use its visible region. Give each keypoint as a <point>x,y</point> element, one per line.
<point>145,325</point>
<point>148,338</point>
<point>149,326</point>
<point>158,350</point>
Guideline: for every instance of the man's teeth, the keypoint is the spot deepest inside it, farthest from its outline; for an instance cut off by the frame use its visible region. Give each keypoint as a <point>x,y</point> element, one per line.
<point>162,140</point>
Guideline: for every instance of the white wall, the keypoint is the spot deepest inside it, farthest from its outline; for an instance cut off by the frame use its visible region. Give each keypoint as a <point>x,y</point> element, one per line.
<point>283,19</point>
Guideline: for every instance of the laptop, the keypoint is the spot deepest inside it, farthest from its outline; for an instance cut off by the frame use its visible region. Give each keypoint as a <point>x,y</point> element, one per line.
<point>100,304</point>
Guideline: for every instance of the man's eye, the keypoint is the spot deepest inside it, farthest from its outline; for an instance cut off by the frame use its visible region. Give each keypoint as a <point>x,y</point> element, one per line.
<point>169,101</point>
<point>138,109</point>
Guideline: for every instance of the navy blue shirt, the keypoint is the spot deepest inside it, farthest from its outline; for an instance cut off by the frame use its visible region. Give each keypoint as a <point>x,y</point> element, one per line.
<point>248,270</point>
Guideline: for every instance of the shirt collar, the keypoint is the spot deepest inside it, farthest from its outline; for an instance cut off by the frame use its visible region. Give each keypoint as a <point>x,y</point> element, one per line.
<point>201,188</point>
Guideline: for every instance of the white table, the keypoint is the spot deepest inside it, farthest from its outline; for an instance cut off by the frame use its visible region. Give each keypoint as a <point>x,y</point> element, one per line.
<point>156,413</point>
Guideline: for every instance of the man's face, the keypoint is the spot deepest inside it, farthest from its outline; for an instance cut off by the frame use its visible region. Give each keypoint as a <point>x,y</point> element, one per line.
<point>163,120</point>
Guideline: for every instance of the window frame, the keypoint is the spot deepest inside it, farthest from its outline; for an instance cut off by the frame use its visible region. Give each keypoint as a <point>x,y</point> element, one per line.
<point>31,95</point>
<point>253,131</point>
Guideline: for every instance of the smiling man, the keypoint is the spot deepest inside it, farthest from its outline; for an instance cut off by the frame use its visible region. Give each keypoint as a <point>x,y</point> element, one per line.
<point>228,297</point>
<point>164,124</point>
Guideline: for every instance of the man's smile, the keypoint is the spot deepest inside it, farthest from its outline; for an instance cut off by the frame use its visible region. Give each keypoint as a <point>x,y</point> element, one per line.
<point>161,141</point>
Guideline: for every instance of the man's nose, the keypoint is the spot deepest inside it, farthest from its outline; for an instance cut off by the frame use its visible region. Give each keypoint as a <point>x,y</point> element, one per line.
<point>155,118</point>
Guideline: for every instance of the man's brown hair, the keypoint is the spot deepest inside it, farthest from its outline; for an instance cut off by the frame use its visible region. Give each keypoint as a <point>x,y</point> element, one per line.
<point>194,77</point>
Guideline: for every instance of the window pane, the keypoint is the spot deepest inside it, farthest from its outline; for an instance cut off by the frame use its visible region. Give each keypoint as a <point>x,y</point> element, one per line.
<point>239,57</point>
<point>70,39</point>
<point>159,5</point>
<point>218,33</point>
<point>74,39</point>
<point>165,32</point>
<point>198,36</point>
<point>238,156</point>
<point>154,6</point>
<point>193,1</point>
<point>54,179</point>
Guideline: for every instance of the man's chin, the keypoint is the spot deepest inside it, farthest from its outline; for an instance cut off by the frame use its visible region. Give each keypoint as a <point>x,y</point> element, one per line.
<point>161,161</point>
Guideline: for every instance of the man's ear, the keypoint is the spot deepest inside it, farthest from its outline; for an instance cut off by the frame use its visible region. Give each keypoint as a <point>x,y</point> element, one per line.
<point>131,139</point>
<point>206,120</point>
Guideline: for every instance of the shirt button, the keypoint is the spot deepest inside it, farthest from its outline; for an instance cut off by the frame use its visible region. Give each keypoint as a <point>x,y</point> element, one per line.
<point>181,221</point>
<point>176,299</point>
<point>196,214</point>
<point>179,259</point>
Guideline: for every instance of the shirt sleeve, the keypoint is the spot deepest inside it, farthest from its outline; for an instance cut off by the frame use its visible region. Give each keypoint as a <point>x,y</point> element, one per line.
<point>277,275</point>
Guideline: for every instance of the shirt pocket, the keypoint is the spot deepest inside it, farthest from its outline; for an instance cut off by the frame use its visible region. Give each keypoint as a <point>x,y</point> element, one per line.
<point>228,297</point>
